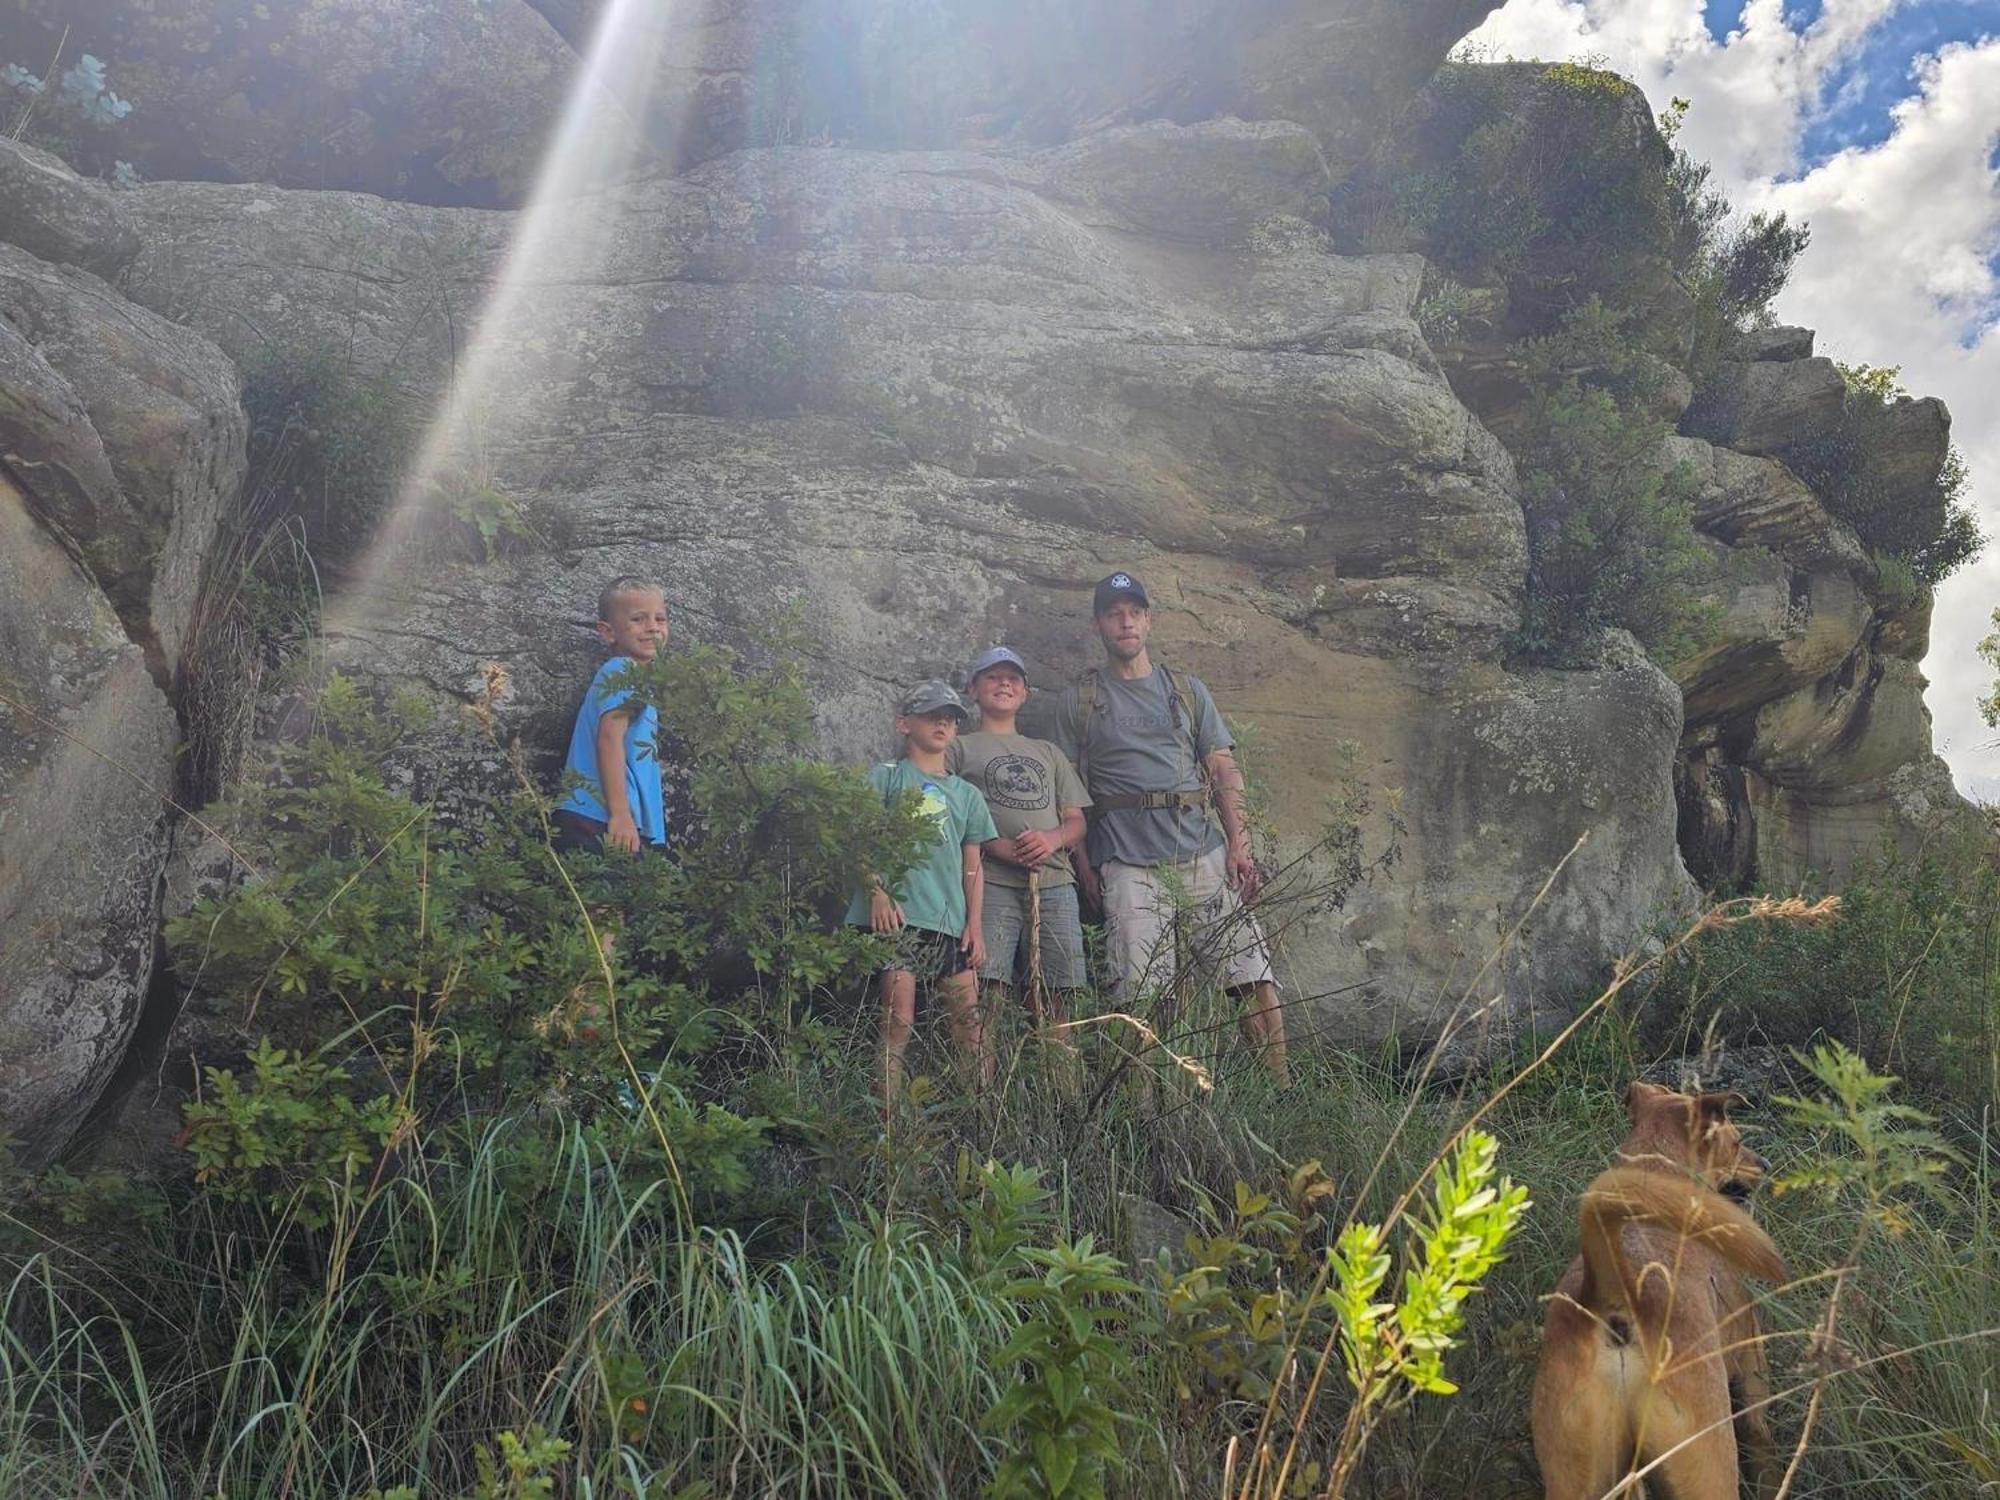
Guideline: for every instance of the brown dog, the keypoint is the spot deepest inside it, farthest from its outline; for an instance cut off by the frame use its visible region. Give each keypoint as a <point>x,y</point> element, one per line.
<point>1651,1338</point>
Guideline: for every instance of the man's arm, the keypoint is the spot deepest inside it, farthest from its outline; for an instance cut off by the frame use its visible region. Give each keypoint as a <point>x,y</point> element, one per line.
<point>611,729</point>
<point>1225,778</point>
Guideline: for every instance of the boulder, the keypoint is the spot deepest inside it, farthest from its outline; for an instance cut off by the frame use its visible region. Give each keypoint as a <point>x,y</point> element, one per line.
<point>441,100</point>
<point>1764,407</point>
<point>127,432</point>
<point>929,398</point>
<point>1777,343</point>
<point>52,213</point>
<point>1752,502</point>
<point>86,763</point>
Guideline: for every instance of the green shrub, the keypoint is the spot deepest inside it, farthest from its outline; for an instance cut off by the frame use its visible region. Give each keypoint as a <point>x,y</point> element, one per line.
<point>1923,519</point>
<point>1611,534</point>
<point>412,969</point>
<point>1909,975</point>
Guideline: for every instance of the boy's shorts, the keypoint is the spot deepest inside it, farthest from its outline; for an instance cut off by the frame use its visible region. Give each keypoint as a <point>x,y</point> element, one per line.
<point>1003,922</point>
<point>575,832</point>
<point>926,954</point>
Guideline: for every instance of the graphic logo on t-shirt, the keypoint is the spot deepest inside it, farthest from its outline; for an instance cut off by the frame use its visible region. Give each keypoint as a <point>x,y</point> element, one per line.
<point>1017,782</point>
<point>935,807</point>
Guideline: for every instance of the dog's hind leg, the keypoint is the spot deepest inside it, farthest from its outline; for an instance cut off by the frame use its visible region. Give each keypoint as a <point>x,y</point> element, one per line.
<point>1757,1449</point>
<point>1702,1468</point>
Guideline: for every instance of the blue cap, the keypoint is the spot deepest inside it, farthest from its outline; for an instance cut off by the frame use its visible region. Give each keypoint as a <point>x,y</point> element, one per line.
<point>994,656</point>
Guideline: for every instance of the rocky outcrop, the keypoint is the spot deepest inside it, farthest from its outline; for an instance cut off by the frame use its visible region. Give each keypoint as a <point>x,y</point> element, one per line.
<point>86,756</point>
<point>121,443</point>
<point>133,444</point>
<point>52,213</point>
<point>452,101</point>
<point>930,398</point>
<point>445,100</point>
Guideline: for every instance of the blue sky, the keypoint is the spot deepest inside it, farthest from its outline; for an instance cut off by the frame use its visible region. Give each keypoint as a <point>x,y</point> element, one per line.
<point>1877,122</point>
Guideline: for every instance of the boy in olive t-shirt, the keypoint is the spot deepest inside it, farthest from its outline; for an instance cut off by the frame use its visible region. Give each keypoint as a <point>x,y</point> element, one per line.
<point>934,909</point>
<point>1037,803</point>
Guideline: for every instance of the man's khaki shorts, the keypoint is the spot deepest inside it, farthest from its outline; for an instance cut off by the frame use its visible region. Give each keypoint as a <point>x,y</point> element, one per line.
<point>1145,904</point>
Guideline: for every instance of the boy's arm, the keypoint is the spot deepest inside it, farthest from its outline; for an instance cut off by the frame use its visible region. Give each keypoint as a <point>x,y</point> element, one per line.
<point>623,832</point>
<point>972,941</point>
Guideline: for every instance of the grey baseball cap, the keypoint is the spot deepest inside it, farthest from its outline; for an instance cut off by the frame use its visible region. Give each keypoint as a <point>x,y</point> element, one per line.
<point>1120,585</point>
<point>929,697</point>
<point>994,656</point>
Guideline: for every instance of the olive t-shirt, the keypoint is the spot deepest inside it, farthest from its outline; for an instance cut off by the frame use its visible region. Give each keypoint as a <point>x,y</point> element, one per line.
<point>1135,746</point>
<point>932,894</point>
<point>1027,784</point>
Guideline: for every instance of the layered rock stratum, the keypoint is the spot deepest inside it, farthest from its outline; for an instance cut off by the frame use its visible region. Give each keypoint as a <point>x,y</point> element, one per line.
<point>917,374</point>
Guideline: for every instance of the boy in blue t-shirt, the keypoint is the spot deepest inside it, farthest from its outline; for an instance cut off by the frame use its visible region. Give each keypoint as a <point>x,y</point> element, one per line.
<point>616,800</point>
<point>934,909</point>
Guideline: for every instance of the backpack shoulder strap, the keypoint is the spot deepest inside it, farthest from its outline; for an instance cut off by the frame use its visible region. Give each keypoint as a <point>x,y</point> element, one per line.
<point>1087,697</point>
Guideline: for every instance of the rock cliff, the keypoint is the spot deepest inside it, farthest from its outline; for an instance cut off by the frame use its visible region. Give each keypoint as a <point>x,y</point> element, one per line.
<point>923,396</point>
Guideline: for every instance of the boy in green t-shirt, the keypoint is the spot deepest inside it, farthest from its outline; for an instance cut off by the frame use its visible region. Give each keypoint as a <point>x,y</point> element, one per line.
<point>934,909</point>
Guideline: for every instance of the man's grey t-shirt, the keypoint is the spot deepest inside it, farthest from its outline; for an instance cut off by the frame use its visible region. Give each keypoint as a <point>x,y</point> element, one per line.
<point>1136,747</point>
<point>1027,783</point>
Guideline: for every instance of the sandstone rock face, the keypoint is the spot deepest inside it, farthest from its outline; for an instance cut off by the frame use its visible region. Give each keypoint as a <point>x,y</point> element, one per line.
<point>931,398</point>
<point>52,213</point>
<point>452,101</point>
<point>448,100</point>
<point>86,755</point>
<point>1807,746</point>
<point>1764,406</point>
<point>133,446</point>
<point>121,443</point>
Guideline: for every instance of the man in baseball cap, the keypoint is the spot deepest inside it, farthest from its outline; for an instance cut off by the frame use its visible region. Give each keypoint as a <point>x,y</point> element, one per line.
<point>1028,913</point>
<point>1167,828</point>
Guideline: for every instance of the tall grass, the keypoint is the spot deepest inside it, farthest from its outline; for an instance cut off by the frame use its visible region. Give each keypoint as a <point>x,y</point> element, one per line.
<point>527,1280</point>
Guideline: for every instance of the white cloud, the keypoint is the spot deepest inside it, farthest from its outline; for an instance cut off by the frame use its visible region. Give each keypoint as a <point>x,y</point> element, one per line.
<point>1906,235</point>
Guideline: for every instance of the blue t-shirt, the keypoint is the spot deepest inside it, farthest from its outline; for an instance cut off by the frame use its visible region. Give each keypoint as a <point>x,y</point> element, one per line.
<point>643,792</point>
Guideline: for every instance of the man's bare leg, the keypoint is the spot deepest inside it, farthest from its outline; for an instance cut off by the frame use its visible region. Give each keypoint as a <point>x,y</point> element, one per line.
<point>1264,1029</point>
<point>899,1018</point>
<point>968,1029</point>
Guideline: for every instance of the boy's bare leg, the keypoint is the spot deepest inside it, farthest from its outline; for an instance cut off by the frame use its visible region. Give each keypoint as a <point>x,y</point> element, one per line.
<point>968,1029</point>
<point>1264,1029</point>
<point>899,1018</point>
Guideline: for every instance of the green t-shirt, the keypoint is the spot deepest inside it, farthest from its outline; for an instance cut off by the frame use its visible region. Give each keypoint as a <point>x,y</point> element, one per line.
<point>1027,783</point>
<point>932,894</point>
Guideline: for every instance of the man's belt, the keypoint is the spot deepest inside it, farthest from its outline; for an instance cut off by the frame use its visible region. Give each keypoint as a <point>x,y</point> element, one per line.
<point>1149,801</point>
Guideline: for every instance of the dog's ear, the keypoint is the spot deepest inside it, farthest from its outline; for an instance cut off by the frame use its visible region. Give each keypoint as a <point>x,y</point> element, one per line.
<point>1715,1108</point>
<point>1638,1094</point>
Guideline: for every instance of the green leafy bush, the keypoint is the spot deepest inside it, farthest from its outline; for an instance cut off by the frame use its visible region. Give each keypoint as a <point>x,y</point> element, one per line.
<point>1921,518</point>
<point>1908,975</point>
<point>408,969</point>
<point>1611,535</point>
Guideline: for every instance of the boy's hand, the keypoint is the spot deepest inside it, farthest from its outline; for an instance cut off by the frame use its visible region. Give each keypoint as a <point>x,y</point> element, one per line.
<point>1033,848</point>
<point>622,834</point>
<point>972,943</point>
<point>884,914</point>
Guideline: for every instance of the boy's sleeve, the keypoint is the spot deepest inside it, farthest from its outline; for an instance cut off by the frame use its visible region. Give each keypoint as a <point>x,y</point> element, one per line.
<point>606,698</point>
<point>954,757</point>
<point>978,817</point>
<point>1070,790</point>
<point>1210,733</point>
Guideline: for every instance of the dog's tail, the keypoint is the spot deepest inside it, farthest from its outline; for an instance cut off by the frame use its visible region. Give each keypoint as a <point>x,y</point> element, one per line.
<point>1666,1200</point>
